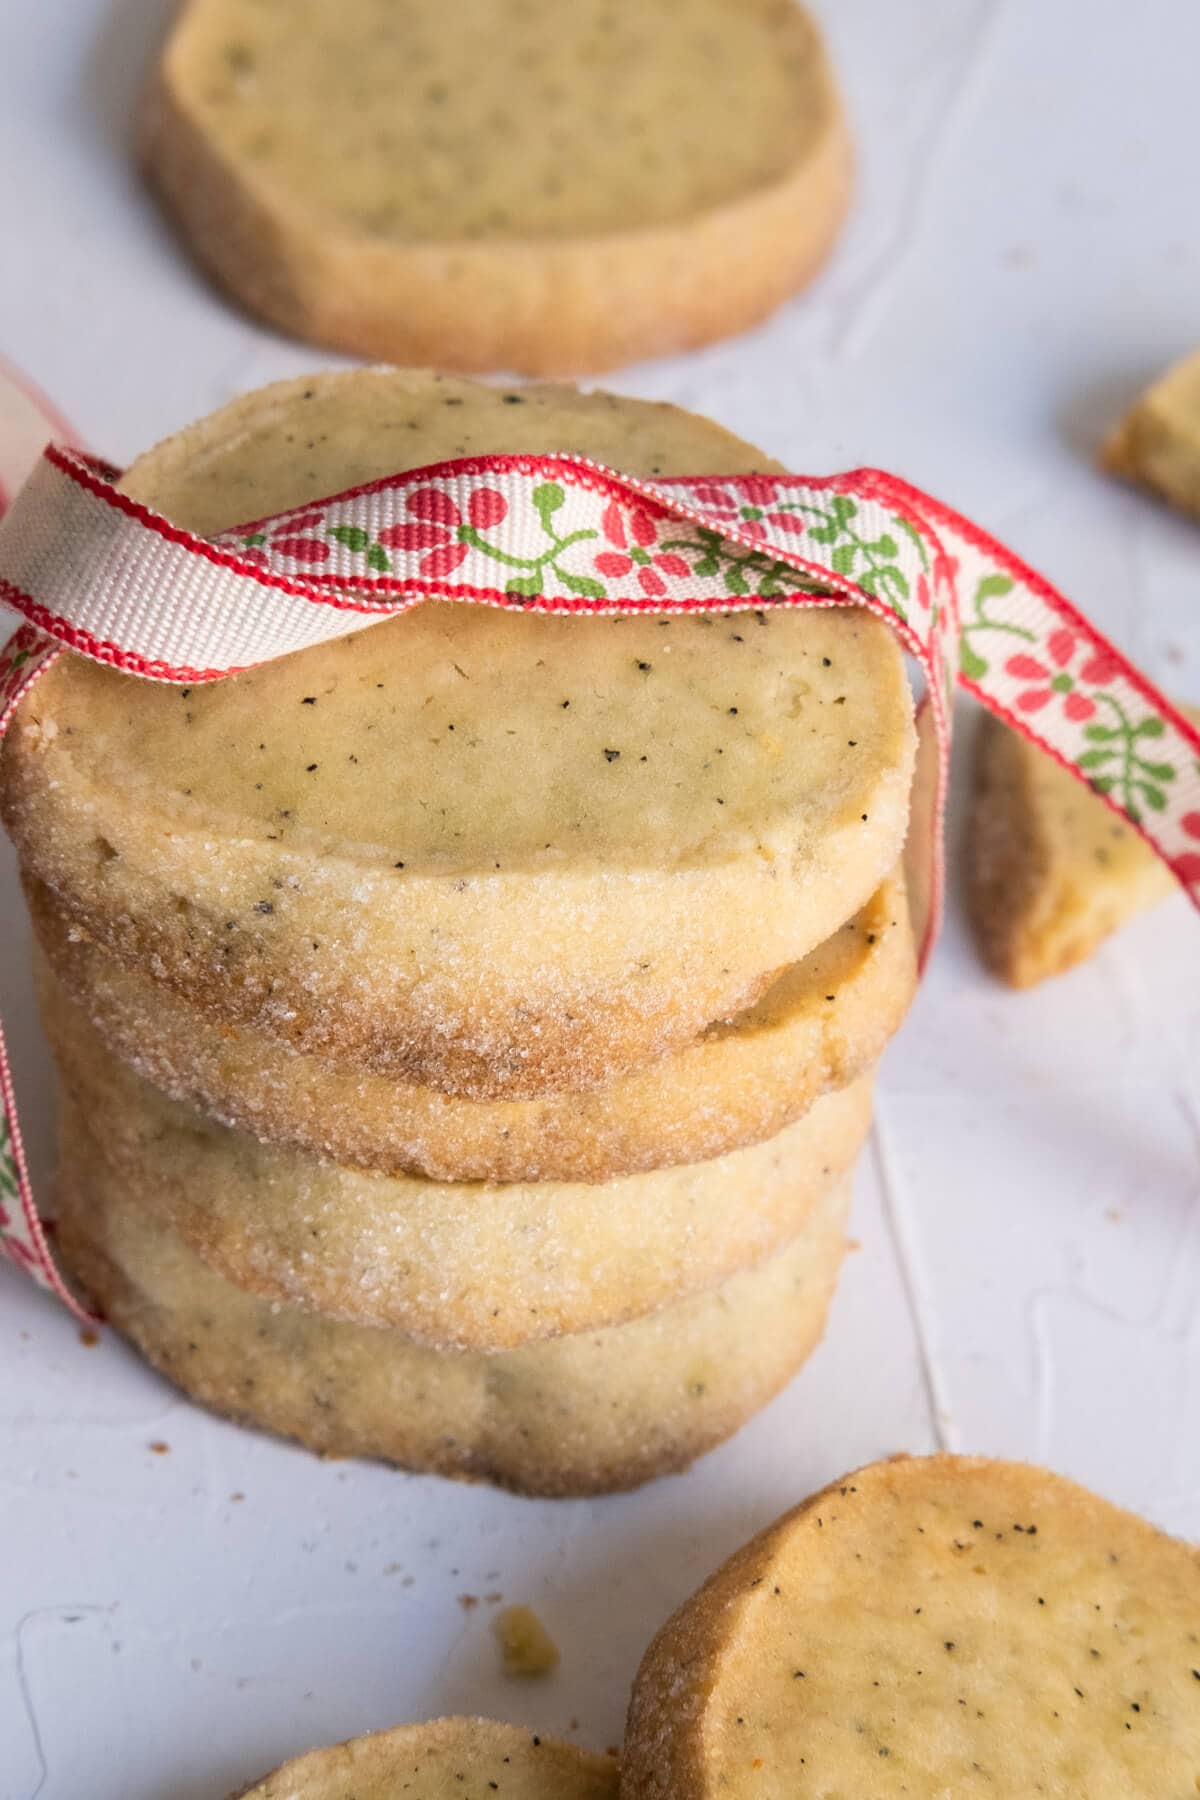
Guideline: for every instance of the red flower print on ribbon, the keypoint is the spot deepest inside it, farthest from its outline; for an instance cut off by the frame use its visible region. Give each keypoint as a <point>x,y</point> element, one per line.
<point>1187,867</point>
<point>715,498</point>
<point>626,554</point>
<point>1053,678</point>
<point>749,515</point>
<point>437,523</point>
<point>293,538</point>
<point>945,568</point>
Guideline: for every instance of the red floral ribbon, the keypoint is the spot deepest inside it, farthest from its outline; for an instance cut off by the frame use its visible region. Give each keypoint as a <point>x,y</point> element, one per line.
<point>96,572</point>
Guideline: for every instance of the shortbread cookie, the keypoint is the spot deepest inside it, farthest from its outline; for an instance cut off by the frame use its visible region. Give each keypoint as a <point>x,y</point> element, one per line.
<point>816,1029</point>
<point>492,852</point>
<point>578,1415</point>
<point>501,184</point>
<point>931,1626</point>
<point>455,1265</point>
<point>1051,870</point>
<point>444,1759</point>
<point>1157,444</point>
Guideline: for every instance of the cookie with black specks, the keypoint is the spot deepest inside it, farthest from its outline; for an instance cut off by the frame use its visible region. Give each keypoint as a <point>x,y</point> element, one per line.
<point>492,852</point>
<point>592,1412</point>
<point>454,1265</point>
<point>931,1626</point>
<point>819,1027</point>
<point>501,184</point>
<point>444,1759</point>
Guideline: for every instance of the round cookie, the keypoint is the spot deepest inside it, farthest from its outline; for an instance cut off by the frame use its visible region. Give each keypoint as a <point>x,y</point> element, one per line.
<point>501,184</point>
<point>454,1265</point>
<point>444,1759</point>
<point>490,852</point>
<point>931,1626</point>
<point>592,1413</point>
<point>819,1027</point>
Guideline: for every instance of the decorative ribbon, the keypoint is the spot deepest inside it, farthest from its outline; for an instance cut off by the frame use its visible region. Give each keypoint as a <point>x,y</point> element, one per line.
<point>96,572</point>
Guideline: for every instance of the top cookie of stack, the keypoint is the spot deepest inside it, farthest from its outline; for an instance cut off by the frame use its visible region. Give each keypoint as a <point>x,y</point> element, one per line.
<point>497,854</point>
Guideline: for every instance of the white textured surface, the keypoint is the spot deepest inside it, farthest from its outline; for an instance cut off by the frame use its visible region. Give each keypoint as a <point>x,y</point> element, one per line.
<point>1022,256</point>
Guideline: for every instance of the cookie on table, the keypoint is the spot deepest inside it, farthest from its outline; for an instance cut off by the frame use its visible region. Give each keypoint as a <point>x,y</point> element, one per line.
<point>496,853</point>
<point>1051,870</point>
<point>444,1759</point>
<point>1157,444</point>
<point>501,184</point>
<point>590,1413</point>
<point>930,1626</point>
<point>455,1264</point>
<point>820,1026</point>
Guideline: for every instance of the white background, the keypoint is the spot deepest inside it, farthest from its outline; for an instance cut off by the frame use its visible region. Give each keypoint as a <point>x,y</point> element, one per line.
<point>1022,255</point>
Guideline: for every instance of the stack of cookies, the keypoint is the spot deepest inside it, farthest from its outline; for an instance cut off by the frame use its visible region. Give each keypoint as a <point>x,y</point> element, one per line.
<point>466,1028</point>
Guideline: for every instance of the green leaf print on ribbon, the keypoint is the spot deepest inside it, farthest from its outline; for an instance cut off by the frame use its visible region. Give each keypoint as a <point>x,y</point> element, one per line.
<point>1119,759</point>
<point>360,542</point>
<point>743,572</point>
<point>1116,762</point>
<point>869,562</point>
<point>9,1189</point>
<point>547,498</point>
<point>352,536</point>
<point>992,586</point>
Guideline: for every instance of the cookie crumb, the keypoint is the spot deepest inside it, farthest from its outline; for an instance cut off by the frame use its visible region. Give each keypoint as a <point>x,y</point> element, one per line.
<point>526,1646</point>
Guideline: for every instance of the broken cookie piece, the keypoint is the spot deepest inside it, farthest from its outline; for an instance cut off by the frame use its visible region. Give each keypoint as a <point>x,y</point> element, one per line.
<point>1051,870</point>
<point>525,1645</point>
<point>1157,444</point>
